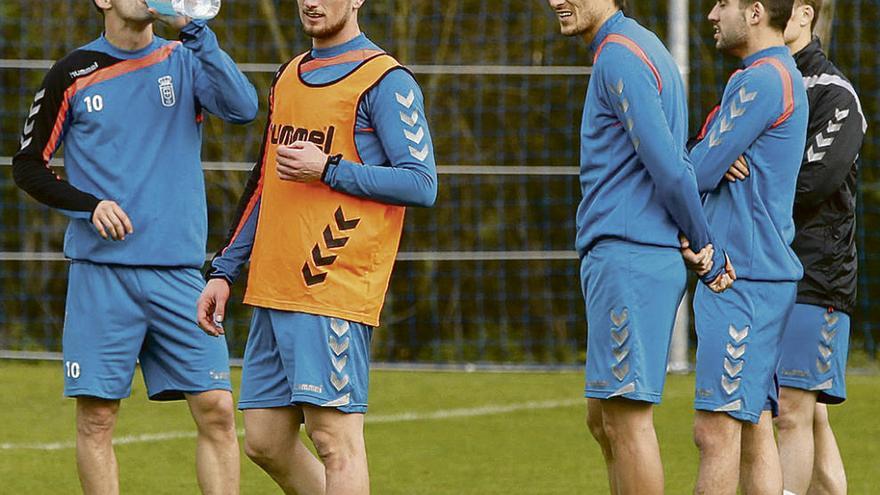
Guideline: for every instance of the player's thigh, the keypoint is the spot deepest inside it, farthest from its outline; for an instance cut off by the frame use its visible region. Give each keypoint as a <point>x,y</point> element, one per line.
<point>177,356</point>
<point>326,360</point>
<point>334,429</point>
<point>739,337</point>
<point>814,352</point>
<point>270,430</point>
<point>104,327</point>
<point>632,294</point>
<point>212,409</point>
<point>264,381</point>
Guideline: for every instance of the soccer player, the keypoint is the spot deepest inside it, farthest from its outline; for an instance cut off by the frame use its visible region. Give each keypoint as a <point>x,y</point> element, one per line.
<point>346,148</point>
<point>814,348</point>
<point>128,109</point>
<point>639,192</point>
<point>763,117</point>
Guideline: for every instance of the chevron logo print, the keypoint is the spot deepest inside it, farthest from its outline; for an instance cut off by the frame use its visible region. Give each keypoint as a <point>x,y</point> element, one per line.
<point>339,327</point>
<point>833,127</point>
<point>826,385</point>
<point>726,124</point>
<point>714,140</point>
<point>26,137</point>
<point>629,387</point>
<point>339,364</point>
<point>411,119</point>
<point>822,141</point>
<point>620,371</point>
<point>831,319</point>
<point>732,369</point>
<point>415,137</point>
<point>730,406</point>
<point>321,260</point>
<point>825,351</point>
<point>730,386</point>
<point>620,336</point>
<point>342,401</point>
<point>746,97</point>
<point>406,101</point>
<point>29,124</point>
<point>738,335</point>
<point>338,383</point>
<point>338,346</point>
<point>616,89</point>
<point>828,334</point>
<point>736,352</point>
<point>344,224</point>
<point>624,105</point>
<point>419,155</point>
<point>619,319</point>
<point>822,367</point>
<point>333,242</point>
<point>620,354</point>
<point>312,278</point>
<point>736,111</point>
<point>813,156</point>
<point>39,96</point>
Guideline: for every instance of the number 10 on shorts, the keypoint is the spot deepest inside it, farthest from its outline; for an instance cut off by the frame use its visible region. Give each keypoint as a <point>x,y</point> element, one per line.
<point>71,369</point>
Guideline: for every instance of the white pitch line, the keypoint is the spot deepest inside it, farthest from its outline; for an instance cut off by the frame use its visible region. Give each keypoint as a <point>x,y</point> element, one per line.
<point>377,419</point>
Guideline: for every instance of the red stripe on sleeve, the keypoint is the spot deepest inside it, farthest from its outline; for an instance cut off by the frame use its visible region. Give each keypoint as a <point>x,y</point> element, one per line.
<point>708,122</point>
<point>636,49</point>
<point>787,88</point>
<point>247,211</point>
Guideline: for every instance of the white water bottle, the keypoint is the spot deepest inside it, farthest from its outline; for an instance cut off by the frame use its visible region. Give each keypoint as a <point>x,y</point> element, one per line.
<point>195,9</point>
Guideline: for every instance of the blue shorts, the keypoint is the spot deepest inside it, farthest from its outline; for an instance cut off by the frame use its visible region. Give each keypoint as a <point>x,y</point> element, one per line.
<point>299,358</point>
<point>632,292</point>
<point>739,339</point>
<point>814,351</point>
<point>117,315</point>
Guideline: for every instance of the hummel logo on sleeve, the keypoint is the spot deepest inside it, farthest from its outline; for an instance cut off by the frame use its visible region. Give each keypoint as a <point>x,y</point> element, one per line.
<point>412,119</point>
<point>407,101</point>
<point>26,137</point>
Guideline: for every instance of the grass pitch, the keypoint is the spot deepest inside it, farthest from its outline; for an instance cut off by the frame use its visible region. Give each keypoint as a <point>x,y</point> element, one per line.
<point>427,433</point>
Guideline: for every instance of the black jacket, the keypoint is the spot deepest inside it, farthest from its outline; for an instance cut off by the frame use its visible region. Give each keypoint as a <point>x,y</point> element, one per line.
<point>825,202</point>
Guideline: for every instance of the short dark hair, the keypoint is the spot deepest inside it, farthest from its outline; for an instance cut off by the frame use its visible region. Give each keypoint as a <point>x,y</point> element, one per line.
<point>99,9</point>
<point>621,4</point>
<point>817,8</point>
<point>779,10</point>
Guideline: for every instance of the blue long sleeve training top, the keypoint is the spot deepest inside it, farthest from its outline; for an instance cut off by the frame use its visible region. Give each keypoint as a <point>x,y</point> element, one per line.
<point>763,116</point>
<point>130,122</point>
<point>398,157</point>
<point>637,180</point>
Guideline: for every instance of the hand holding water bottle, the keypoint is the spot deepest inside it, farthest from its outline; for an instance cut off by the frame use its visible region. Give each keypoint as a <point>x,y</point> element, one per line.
<point>195,9</point>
